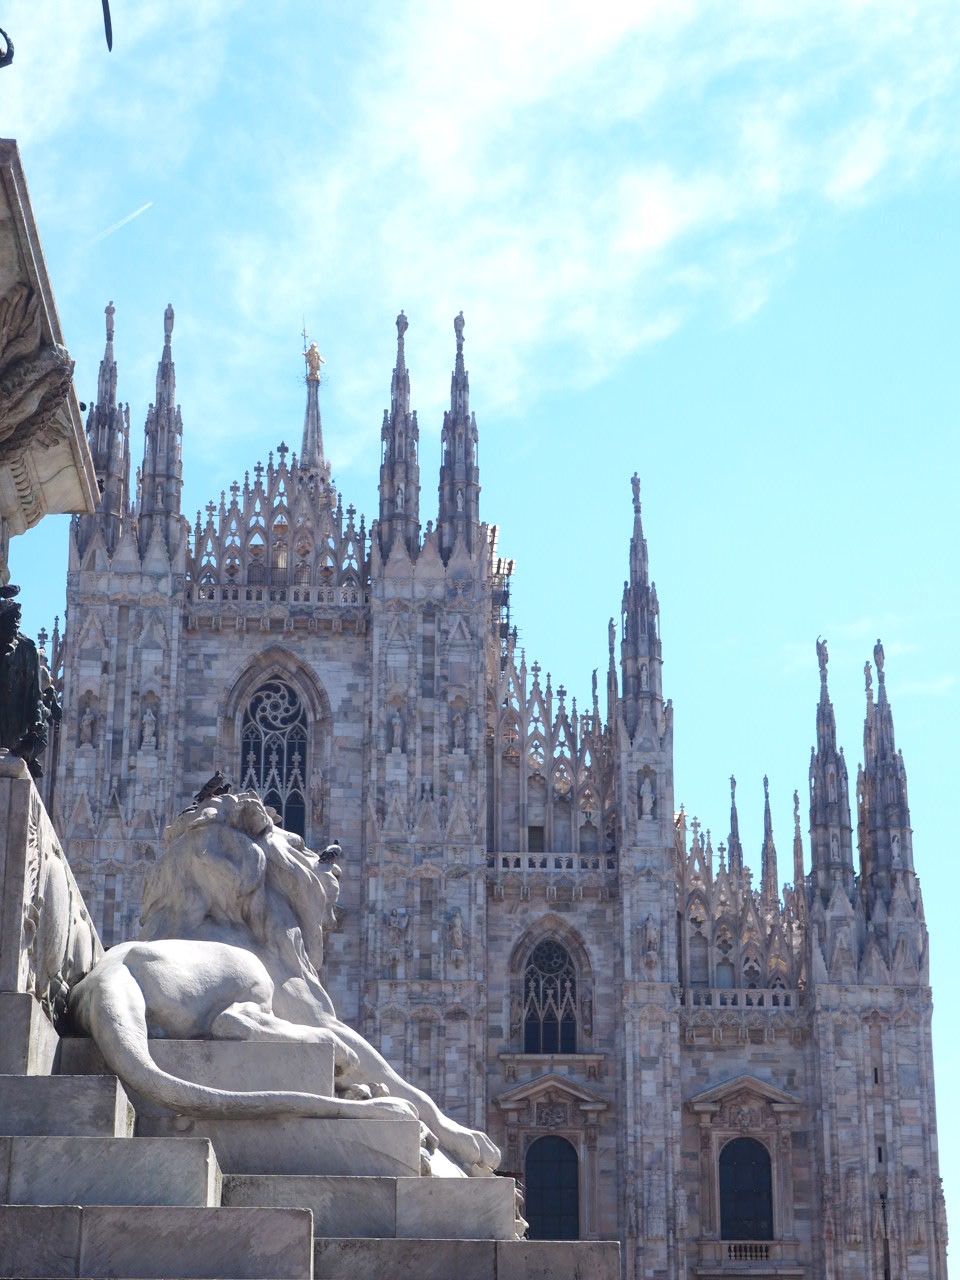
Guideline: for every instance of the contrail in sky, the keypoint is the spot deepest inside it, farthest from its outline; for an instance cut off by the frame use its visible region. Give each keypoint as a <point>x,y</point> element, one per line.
<point>122,223</point>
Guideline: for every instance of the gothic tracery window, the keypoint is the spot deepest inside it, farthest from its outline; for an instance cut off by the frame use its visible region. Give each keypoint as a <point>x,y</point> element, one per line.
<point>550,1000</point>
<point>274,749</point>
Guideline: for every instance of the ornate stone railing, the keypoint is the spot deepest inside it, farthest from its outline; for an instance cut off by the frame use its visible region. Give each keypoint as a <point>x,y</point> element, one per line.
<point>553,863</point>
<point>748,1251</point>
<point>768,1257</point>
<point>741,998</point>
<point>347,596</point>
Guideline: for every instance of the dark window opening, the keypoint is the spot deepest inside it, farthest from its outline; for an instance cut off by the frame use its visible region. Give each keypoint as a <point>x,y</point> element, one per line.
<point>552,1190</point>
<point>535,839</point>
<point>746,1191</point>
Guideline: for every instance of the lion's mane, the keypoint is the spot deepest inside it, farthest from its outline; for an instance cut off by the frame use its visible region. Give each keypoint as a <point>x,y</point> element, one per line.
<point>229,874</point>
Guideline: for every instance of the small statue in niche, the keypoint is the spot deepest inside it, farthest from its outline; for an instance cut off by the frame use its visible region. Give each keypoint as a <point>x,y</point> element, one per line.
<point>834,846</point>
<point>458,732</point>
<point>88,724</point>
<point>316,796</point>
<point>853,1209</point>
<point>680,1209</point>
<point>516,1016</point>
<point>396,731</point>
<point>895,859</point>
<point>647,797</point>
<point>456,938</point>
<point>656,1206</point>
<point>456,930</point>
<point>644,677</point>
<point>148,730</point>
<point>396,934</point>
<point>23,712</point>
<point>650,940</point>
<point>915,1207</point>
<point>459,499</point>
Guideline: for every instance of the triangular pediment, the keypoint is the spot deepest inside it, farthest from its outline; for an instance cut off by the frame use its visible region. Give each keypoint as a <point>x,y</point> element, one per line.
<point>552,1082</point>
<point>710,1099</point>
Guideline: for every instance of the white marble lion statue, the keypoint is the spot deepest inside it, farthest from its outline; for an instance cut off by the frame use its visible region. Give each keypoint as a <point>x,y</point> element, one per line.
<point>230,947</point>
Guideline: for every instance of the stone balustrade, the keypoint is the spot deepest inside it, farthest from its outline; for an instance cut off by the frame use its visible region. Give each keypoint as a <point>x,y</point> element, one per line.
<point>741,998</point>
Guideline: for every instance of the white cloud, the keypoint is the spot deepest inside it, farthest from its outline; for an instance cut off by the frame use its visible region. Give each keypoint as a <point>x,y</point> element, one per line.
<point>528,163</point>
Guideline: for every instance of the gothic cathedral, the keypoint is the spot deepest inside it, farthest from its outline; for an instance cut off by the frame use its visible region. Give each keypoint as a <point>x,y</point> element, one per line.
<point>731,1080</point>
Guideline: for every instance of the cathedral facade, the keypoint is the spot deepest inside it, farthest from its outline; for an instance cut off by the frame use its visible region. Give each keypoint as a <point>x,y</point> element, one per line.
<point>732,1080</point>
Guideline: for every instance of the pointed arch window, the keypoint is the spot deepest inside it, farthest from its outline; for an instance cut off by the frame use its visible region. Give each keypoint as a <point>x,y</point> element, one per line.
<point>274,751</point>
<point>550,1000</point>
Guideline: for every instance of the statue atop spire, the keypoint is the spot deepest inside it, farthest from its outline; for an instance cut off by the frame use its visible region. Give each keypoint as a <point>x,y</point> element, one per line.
<point>458,330</point>
<point>314,360</point>
<point>635,483</point>
<point>823,658</point>
<point>878,660</point>
<point>109,312</point>
<point>311,447</point>
<point>167,324</point>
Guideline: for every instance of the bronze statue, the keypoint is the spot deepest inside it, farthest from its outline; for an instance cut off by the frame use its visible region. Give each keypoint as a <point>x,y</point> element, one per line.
<point>23,712</point>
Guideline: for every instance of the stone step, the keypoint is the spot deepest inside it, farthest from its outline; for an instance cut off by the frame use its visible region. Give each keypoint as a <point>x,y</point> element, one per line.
<point>243,1065</point>
<point>155,1243</point>
<point>339,1259</point>
<point>294,1144</point>
<point>76,1106</point>
<point>111,1171</point>
<point>407,1208</point>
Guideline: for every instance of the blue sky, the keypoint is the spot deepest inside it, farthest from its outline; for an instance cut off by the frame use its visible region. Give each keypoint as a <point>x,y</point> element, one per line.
<point>716,243</point>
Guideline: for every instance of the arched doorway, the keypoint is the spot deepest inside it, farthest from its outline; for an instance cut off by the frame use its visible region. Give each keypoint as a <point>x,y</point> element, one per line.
<point>552,1190</point>
<point>746,1191</point>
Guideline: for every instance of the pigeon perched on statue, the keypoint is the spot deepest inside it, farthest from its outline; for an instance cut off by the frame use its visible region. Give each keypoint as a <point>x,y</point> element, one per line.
<point>332,852</point>
<point>215,786</point>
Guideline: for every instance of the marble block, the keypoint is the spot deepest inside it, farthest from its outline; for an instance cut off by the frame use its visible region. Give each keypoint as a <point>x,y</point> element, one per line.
<point>456,1208</point>
<point>558,1259</point>
<point>386,1208</point>
<point>114,1171</point>
<point>28,1042</point>
<point>344,1206</point>
<point>77,1106</point>
<point>242,1065</point>
<point>196,1244</point>
<point>294,1144</point>
<point>41,1242</point>
<point>338,1259</point>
